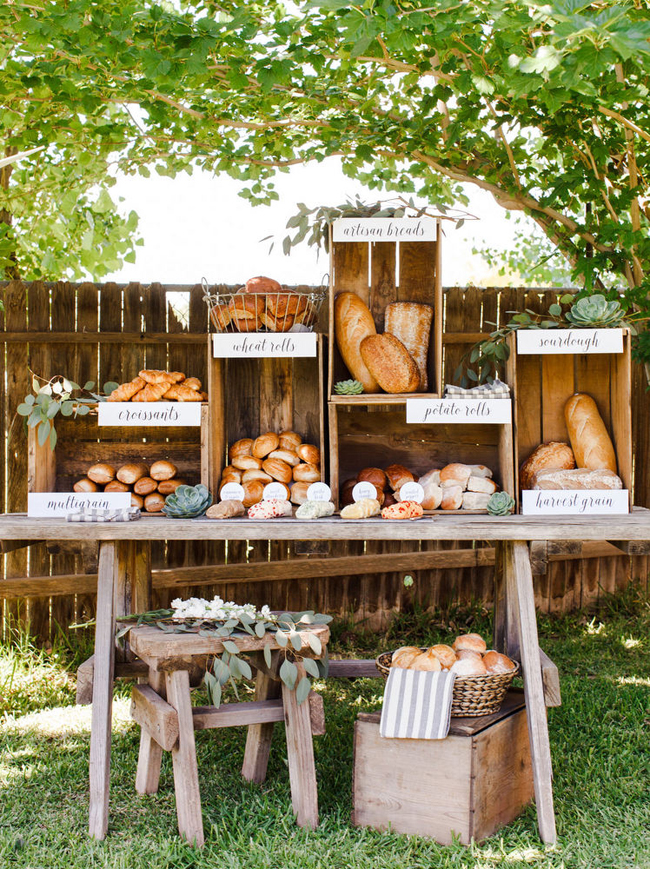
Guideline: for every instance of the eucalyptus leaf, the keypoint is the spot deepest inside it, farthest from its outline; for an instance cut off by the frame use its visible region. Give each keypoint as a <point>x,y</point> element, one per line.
<point>303,689</point>
<point>311,667</point>
<point>231,647</point>
<point>260,629</point>
<point>268,658</point>
<point>245,668</point>
<point>288,673</point>
<point>296,640</point>
<point>315,643</point>
<point>281,638</point>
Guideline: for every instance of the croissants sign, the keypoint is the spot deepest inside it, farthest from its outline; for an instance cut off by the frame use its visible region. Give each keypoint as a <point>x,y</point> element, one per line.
<point>149,413</point>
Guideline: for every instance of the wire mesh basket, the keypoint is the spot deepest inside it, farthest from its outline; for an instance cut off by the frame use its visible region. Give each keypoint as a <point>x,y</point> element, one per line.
<point>285,311</point>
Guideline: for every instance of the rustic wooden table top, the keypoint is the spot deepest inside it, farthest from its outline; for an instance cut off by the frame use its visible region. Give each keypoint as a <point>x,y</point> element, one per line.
<point>632,526</point>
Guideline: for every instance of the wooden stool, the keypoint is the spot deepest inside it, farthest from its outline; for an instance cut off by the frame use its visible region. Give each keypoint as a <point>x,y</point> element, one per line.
<point>164,711</point>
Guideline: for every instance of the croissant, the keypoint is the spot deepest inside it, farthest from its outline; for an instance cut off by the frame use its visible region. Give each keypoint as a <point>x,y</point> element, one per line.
<point>193,383</point>
<point>152,391</point>
<point>180,392</point>
<point>362,509</point>
<point>126,391</point>
<point>155,375</point>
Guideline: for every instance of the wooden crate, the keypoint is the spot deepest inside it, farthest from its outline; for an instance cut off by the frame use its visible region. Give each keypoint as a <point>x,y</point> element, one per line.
<point>82,442</point>
<point>468,785</point>
<point>542,384</point>
<point>381,273</point>
<point>248,397</point>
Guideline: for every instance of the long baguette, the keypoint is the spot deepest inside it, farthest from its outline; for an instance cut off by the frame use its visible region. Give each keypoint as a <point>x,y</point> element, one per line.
<point>352,323</point>
<point>591,444</point>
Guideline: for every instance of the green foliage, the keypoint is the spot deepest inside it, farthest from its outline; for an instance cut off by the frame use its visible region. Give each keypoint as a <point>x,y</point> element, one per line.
<point>595,311</point>
<point>187,502</point>
<point>500,504</point>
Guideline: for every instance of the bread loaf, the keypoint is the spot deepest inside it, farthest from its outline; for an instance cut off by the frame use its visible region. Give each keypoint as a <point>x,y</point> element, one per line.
<point>591,444</point>
<point>577,478</point>
<point>145,486</point>
<point>372,475</point>
<point>445,655</point>
<point>426,661</point>
<point>154,503</point>
<point>242,447</point>
<point>166,487</point>
<point>432,476</point>
<point>85,485</point>
<point>265,444</point>
<point>410,323</point>
<point>475,500</point>
<point>162,470</point>
<point>289,440</point>
<point>452,498</point>
<point>251,474</point>
<point>390,363</point>
<point>253,491</point>
<point>101,473</point>
<point>362,509</point>
<point>352,323</point>
<point>455,474</point>
<point>137,501</point>
<point>116,486</point>
<point>262,284</point>
<point>403,656</point>
<point>131,473</point>
<point>472,642</point>
<point>397,475</point>
<point>469,667</point>
<point>226,510</point>
<point>549,455</point>
<point>497,663</point>
<point>432,496</point>
<point>481,484</point>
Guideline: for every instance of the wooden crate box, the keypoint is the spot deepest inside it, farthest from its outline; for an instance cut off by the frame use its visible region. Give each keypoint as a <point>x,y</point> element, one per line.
<point>251,396</point>
<point>542,384</point>
<point>468,785</point>
<point>381,273</point>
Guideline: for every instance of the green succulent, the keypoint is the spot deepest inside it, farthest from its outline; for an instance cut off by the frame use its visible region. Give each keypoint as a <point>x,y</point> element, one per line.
<point>500,504</point>
<point>187,502</point>
<point>592,311</point>
<point>348,387</point>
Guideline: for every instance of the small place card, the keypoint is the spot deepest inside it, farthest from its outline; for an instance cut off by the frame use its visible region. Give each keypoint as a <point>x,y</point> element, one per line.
<point>275,492</point>
<point>459,410</point>
<point>149,413</point>
<point>411,492</point>
<point>259,345</point>
<point>364,490</point>
<point>319,492</point>
<point>550,502</point>
<point>384,229</point>
<point>531,341</point>
<point>41,505</point>
<point>232,492</point>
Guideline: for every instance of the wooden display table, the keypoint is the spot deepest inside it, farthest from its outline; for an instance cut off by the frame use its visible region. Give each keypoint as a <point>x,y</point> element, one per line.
<point>124,583</point>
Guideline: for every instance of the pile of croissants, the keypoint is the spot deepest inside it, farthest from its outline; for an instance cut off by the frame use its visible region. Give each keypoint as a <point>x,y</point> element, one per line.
<point>152,384</point>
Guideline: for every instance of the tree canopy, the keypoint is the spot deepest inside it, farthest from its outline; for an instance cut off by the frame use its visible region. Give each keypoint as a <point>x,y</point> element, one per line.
<point>543,104</point>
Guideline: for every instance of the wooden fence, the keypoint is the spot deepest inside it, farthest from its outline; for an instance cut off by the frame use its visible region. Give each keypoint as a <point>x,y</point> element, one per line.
<point>109,331</point>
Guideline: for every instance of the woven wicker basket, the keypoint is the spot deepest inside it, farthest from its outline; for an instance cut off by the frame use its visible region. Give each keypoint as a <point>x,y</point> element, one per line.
<point>473,695</point>
<point>269,312</point>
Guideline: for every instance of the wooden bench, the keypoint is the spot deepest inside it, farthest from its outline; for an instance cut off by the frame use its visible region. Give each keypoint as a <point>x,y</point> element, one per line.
<point>162,707</point>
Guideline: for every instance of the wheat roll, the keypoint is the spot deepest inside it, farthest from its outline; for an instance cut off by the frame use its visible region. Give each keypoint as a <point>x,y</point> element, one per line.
<point>306,473</point>
<point>162,470</point>
<point>154,503</point>
<point>278,469</point>
<point>132,472</point>
<point>265,444</point>
<point>101,473</point>
<point>166,487</point>
<point>145,486</point>
<point>85,485</point>
<point>590,440</point>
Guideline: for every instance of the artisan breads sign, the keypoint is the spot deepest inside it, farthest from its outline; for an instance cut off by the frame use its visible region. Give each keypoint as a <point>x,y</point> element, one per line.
<point>385,229</point>
<point>559,502</point>
<point>459,410</point>
<point>149,413</point>
<point>49,505</point>
<point>259,345</point>
<point>531,341</point>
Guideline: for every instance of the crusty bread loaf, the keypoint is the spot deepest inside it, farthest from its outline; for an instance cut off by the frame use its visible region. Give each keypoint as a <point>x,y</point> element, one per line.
<point>481,484</point>
<point>390,363</point>
<point>455,474</point>
<point>154,502</point>
<point>432,496</point>
<point>162,470</point>
<point>475,500</point>
<point>403,656</point>
<point>591,444</point>
<point>309,453</point>
<point>352,323</point>
<point>497,663</point>
<point>132,472</point>
<point>577,478</point>
<point>166,487</point>
<point>426,661</point>
<point>452,498</point>
<point>85,485</point>
<point>553,454</point>
<point>410,322</point>
<point>473,642</point>
<point>445,655</point>
<point>145,486</point>
<point>116,486</point>
<point>469,667</point>
<point>101,473</point>
<point>432,476</point>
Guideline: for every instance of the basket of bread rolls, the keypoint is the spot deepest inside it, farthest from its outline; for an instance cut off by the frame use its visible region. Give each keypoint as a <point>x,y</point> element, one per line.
<point>264,305</point>
<point>482,676</point>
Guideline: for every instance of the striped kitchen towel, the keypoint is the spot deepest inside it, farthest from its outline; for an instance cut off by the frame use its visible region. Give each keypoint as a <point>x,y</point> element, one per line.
<point>417,704</point>
<point>95,514</point>
<point>495,389</point>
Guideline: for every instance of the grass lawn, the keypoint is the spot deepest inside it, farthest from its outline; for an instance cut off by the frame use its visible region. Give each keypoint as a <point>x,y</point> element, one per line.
<point>599,740</point>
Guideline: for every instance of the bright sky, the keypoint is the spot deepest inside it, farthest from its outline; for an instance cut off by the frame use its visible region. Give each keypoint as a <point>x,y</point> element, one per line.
<point>197,226</point>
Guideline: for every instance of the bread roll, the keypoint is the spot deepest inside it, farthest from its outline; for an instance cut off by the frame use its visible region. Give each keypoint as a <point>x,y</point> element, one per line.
<point>231,469</point>
<point>101,473</point>
<point>262,284</point>
<point>432,496</point>
<point>287,456</point>
<point>145,486</point>
<point>403,656</point>
<point>553,454</point>
<point>480,471</point>
<point>481,484</point>
<point>116,486</point>
<point>410,323</point>
<point>577,478</point>
<point>245,463</point>
<point>220,317</point>
<point>242,447</point>
<point>225,510</point>
<point>166,487</point>
<point>253,474</point>
<point>432,476</point>
<point>426,661</point>
<point>289,440</point>
<point>452,498</point>
<point>132,472</point>
<point>496,663</point>
<point>299,492</point>
<point>137,501</point>
<point>389,499</point>
<point>163,470</point>
<point>445,654</point>
<point>265,444</point>
<point>85,485</point>
<point>362,509</point>
<point>253,492</point>
<point>154,503</point>
<point>309,453</point>
<point>467,653</point>
<point>245,311</point>
<point>373,475</point>
<point>455,474</point>
<point>397,475</point>
<point>469,667</point>
<point>591,444</point>
<point>307,473</point>
<point>352,324</point>
<point>473,642</point>
<point>278,469</point>
<point>235,478</point>
<point>390,363</point>
<point>475,500</point>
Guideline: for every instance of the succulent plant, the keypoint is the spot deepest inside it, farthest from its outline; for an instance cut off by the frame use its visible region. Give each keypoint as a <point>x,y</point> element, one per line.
<point>500,504</point>
<point>348,387</point>
<point>592,311</point>
<point>187,502</point>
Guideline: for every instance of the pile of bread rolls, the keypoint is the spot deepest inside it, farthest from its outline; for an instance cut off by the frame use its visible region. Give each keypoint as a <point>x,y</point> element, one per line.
<point>149,486</point>
<point>455,487</point>
<point>151,384</point>
<point>590,461</point>
<point>467,656</point>
<point>281,458</point>
<point>395,361</point>
<point>263,305</point>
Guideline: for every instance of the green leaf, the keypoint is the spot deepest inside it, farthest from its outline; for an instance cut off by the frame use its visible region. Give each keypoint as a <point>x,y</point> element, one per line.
<point>53,438</point>
<point>303,689</point>
<point>555,310</point>
<point>221,671</point>
<point>43,433</point>
<point>90,384</point>
<point>281,638</point>
<point>110,386</point>
<point>315,644</point>
<point>311,667</point>
<point>296,640</point>
<point>66,408</point>
<point>245,668</point>
<point>260,629</point>
<point>289,673</point>
<point>268,659</point>
<point>24,409</point>
<point>231,647</point>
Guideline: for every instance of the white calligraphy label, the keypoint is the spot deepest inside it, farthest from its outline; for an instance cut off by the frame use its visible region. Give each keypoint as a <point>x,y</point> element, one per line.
<point>232,492</point>
<point>149,413</point>
<point>384,229</point>
<point>43,505</point>
<point>459,410</point>
<point>260,345</point>
<point>544,341</point>
<point>319,492</point>
<point>275,492</point>
<point>550,502</point>
<point>364,490</point>
<point>411,492</point>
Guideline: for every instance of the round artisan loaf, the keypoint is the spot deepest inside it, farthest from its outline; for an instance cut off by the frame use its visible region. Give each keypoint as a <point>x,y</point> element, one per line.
<point>162,470</point>
<point>242,447</point>
<point>469,667</point>
<point>591,443</point>
<point>426,661</point>
<point>262,284</point>
<point>445,654</point>
<point>132,472</point>
<point>353,323</point>
<point>553,454</point>
<point>403,656</point>
<point>390,363</point>
<point>265,444</point>
<point>373,475</point>
<point>473,642</point>
<point>101,473</point>
<point>496,663</point>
